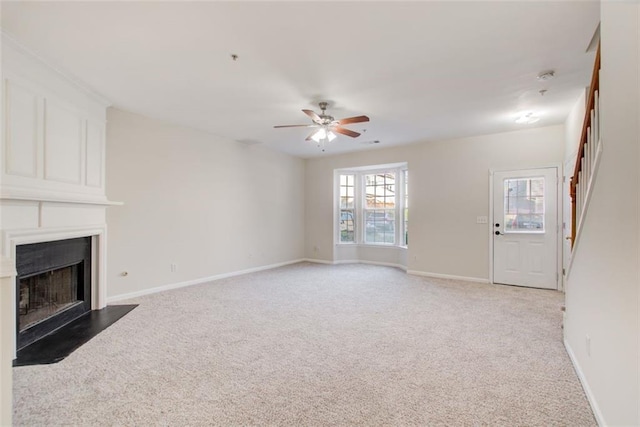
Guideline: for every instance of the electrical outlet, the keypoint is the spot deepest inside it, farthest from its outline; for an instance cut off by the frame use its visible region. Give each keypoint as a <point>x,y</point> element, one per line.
<point>174,268</point>
<point>316,249</point>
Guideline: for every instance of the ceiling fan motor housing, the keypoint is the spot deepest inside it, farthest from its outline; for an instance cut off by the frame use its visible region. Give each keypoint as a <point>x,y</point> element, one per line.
<point>326,119</point>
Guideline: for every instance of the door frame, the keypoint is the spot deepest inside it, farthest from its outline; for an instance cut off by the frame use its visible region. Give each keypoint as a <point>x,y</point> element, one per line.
<point>559,216</point>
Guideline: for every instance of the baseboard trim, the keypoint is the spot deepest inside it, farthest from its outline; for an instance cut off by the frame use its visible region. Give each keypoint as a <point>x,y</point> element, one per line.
<point>384,264</point>
<point>198,281</point>
<point>318,261</point>
<point>585,385</point>
<point>447,276</point>
<point>186,283</point>
<point>356,261</point>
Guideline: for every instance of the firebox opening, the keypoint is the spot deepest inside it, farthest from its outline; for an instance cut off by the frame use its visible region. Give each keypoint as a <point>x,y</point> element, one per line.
<point>53,286</point>
<point>45,294</point>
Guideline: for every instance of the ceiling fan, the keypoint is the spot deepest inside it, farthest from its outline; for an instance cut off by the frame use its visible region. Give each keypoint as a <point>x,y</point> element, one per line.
<point>326,125</point>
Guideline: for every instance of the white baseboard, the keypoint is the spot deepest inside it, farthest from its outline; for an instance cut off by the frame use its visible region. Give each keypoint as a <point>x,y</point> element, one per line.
<point>447,276</point>
<point>198,281</point>
<point>356,261</point>
<point>585,385</point>
<point>318,261</point>
<point>385,264</point>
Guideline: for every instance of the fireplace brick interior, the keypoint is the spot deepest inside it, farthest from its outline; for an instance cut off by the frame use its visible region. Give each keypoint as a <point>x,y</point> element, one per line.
<point>53,286</point>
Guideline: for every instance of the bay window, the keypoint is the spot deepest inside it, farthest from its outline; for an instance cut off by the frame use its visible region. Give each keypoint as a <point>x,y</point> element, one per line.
<point>373,206</point>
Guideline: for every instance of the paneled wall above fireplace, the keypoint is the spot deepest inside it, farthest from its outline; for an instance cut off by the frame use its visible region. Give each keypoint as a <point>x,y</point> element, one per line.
<point>53,141</point>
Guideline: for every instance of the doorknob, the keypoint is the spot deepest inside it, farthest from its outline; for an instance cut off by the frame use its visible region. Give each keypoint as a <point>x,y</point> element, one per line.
<point>568,238</point>
<point>498,233</point>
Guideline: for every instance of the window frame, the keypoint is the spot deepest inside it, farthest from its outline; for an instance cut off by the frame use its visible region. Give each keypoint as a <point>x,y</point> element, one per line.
<point>352,210</point>
<point>401,198</point>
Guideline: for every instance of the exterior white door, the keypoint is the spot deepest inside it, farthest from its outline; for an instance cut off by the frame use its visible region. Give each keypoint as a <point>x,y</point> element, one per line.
<point>525,228</point>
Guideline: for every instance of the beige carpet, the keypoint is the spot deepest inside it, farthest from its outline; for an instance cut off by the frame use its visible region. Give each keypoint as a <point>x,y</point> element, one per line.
<point>318,345</point>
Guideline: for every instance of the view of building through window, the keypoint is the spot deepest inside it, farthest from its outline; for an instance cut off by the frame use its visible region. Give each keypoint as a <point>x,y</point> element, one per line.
<point>524,204</point>
<point>380,208</point>
<point>405,174</point>
<point>347,208</point>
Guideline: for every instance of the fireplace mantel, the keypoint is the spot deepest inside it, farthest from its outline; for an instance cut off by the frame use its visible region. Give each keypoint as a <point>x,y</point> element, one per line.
<point>64,198</point>
<point>52,179</point>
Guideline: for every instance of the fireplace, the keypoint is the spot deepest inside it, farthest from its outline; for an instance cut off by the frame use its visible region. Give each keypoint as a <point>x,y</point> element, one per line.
<point>53,286</point>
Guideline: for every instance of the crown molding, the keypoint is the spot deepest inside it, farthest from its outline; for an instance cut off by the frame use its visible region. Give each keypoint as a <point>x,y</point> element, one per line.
<point>69,77</point>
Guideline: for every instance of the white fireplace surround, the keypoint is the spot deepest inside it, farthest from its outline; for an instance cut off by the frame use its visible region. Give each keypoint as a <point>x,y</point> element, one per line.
<point>52,174</point>
<point>98,236</point>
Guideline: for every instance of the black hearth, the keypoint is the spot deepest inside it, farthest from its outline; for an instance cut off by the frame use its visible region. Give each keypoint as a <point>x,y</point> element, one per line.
<point>53,286</point>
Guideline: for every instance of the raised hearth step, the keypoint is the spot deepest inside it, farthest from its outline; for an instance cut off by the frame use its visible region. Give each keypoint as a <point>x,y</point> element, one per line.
<point>65,340</point>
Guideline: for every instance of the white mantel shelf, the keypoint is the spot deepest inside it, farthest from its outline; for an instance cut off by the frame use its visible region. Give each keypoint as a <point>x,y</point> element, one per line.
<point>61,200</point>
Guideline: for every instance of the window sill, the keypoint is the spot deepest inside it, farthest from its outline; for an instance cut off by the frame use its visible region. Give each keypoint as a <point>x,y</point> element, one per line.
<point>372,245</point>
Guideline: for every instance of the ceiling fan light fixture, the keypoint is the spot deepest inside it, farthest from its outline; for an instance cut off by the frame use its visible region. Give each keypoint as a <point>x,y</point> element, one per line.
<point>327,127</point>
<point>319,135</point>
<point>323,134</point>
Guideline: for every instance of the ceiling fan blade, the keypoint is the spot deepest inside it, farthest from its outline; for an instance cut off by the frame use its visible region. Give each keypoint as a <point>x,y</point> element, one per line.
<point>344,131</point>
<point>316,118</point>
<point>357,119</point>
<point>296,126</point>
<point>310,135</point>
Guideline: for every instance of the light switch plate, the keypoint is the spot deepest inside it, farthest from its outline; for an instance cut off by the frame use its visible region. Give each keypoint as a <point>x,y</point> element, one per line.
<point>482,220</point>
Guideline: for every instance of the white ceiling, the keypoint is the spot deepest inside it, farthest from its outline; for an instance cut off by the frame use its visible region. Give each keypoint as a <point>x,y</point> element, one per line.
<point>420,70</point>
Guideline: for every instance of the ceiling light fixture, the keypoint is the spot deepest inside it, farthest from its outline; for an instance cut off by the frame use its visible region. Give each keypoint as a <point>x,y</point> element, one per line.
<point>546,75</point>
<point>322,136</point>
<point>527,118</point>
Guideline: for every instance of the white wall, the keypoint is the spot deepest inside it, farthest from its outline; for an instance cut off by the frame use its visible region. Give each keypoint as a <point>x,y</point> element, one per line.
<point>209,205</point>
<point>448,189</point>
<point>602,289</point>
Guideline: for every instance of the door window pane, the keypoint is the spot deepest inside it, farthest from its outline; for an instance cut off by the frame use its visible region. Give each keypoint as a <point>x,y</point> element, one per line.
<point>524,204</point>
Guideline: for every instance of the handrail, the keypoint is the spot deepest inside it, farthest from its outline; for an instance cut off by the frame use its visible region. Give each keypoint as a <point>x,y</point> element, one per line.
<point>587,124</point>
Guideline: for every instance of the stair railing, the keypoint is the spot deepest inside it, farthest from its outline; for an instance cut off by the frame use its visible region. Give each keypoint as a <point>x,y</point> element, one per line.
<point>589,151</point>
